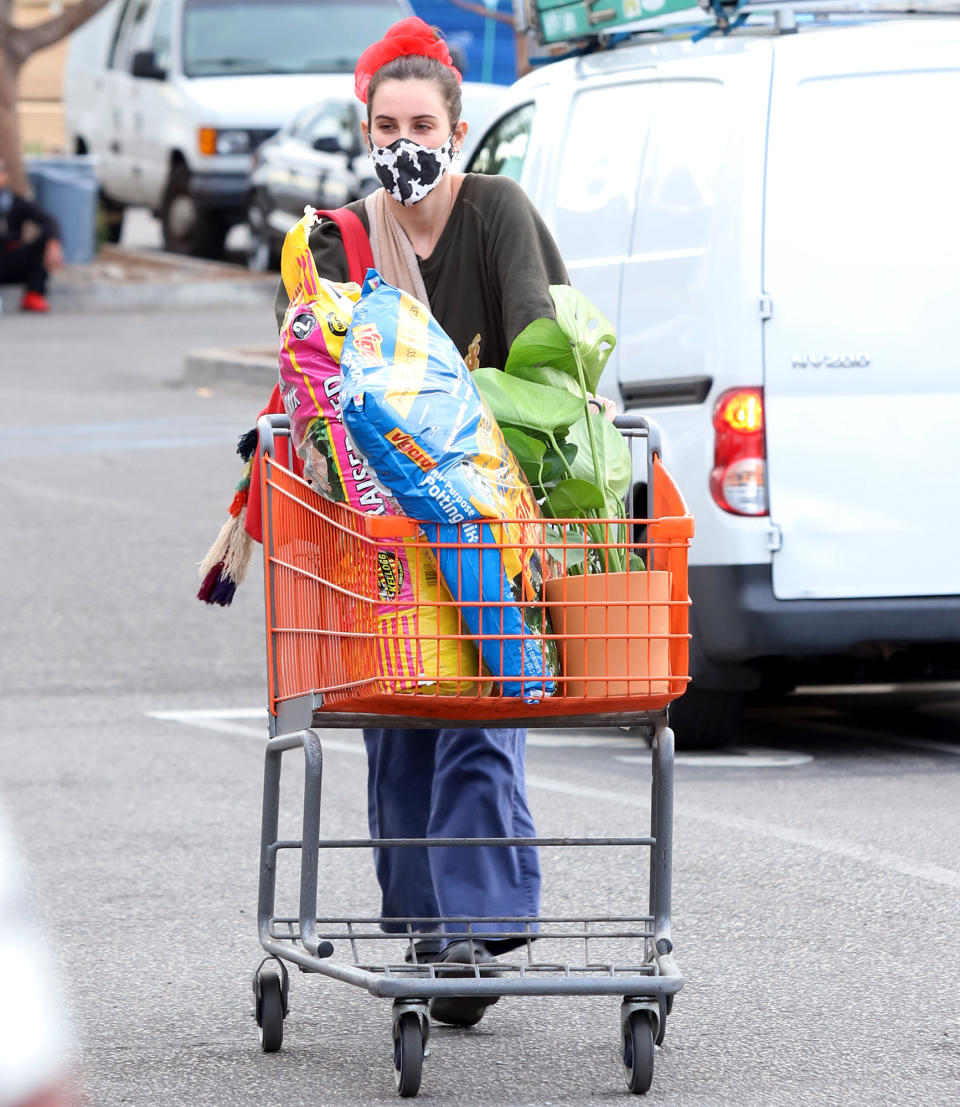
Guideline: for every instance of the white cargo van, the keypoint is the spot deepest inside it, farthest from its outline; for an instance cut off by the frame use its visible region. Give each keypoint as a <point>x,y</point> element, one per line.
<point>173,96</point>
<point>770,219</point>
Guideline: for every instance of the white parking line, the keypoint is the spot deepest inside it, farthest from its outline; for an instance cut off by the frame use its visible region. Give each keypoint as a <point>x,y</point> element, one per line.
<point>850,851</point>
<point>842,730</point>
<point>553,739</point>
<point>230,722</point>
<point>731,757</point>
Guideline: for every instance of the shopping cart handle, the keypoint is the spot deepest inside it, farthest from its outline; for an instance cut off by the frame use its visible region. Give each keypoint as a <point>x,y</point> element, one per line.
<point>270,427</point>
<point>630,421</point>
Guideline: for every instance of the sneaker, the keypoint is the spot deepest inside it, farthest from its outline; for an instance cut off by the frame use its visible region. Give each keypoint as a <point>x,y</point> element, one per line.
<point>463,1010</point>
<point>423,951</point>
<point>34,301</point>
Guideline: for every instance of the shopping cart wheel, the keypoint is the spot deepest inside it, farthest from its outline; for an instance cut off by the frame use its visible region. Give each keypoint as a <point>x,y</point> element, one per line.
<point>637,1047</point>
<point>407,1053</point>
<point>269,1010</point>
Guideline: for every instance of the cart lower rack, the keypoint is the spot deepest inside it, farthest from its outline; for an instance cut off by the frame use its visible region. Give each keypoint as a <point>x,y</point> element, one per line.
<point>538,651</point>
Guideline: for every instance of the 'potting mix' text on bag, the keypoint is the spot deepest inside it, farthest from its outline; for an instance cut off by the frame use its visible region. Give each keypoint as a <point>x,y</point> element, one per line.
<point>417,641</point>
<point>413,410</point>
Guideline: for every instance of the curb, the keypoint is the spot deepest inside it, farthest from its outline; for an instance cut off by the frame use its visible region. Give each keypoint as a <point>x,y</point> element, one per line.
<point>217,366</point>
<point>122,278</point>
<point>161,295</point>
<point>186,294</point>
<point>151,296</point>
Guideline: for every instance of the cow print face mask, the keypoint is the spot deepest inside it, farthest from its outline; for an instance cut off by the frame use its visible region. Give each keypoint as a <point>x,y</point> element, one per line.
<point>409,171</point>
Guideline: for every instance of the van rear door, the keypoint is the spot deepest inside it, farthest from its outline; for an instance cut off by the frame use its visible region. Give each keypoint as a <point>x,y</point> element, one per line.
<point>862,352</point>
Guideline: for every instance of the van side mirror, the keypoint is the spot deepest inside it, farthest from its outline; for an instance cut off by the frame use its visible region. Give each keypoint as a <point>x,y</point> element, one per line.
<point>144,64</point>
<point>329,144</point>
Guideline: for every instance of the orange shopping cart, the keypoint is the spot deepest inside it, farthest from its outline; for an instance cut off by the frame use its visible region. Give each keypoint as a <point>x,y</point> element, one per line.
<point>587,627</point>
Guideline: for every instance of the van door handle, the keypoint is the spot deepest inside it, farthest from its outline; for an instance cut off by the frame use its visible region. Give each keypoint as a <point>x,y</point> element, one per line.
<point>114,147</point>
<point>599,17</point>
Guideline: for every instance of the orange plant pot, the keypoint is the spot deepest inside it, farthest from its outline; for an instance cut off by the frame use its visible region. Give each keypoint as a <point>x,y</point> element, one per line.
<point>613,632</point>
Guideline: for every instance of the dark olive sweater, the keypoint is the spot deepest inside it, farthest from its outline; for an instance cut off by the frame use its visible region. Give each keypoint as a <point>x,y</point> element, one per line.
<point>489,272</point>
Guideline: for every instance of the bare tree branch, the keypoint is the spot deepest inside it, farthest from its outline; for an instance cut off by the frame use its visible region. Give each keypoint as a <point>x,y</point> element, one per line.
<point>24,41</point>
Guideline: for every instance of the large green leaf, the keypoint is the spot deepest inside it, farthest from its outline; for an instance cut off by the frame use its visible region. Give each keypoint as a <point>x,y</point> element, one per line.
<point>545,374</point>
<point>550,343</point>
<point>587,328</point>
<point>524,447</point>
<point>570,541</point>
<point>613,454</point>
<point>541,342</point>
<point>574,499</point>
<point>542,465</point>
<point>524,404</point>
<point>555,467</point>
<point>529,453</point>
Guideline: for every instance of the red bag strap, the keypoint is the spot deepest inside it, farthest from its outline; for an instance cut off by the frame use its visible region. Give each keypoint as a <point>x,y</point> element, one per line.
<point>356,244</point>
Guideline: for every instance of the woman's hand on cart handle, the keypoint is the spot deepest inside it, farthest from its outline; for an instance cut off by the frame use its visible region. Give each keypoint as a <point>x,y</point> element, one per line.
<point>603,405</point>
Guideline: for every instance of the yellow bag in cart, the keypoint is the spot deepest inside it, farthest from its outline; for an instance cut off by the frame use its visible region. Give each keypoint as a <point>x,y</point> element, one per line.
<point>418,645</point>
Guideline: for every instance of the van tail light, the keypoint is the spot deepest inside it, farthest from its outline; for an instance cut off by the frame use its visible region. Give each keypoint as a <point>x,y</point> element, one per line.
<point>738,482</point>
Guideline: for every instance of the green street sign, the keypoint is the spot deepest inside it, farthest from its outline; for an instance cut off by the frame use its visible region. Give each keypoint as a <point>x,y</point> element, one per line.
<point>561,20</point>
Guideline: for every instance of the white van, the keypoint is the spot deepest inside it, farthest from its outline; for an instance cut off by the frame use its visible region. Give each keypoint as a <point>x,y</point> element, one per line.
<point>770,219</point>
<point>173,96</point>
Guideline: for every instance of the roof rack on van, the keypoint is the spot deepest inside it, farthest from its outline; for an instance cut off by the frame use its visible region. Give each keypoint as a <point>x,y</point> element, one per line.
<point>585,25</point>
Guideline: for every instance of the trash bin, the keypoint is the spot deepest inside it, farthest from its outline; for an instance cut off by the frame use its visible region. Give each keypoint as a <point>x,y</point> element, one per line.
<point>67,188</point>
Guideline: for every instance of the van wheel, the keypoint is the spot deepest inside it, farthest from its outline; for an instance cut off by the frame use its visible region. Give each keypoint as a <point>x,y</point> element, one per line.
<point>705,719</point>
<point>187,229</point>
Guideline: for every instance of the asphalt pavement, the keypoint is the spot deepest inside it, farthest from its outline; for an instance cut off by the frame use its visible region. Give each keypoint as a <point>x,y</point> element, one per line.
<point>816,885</point>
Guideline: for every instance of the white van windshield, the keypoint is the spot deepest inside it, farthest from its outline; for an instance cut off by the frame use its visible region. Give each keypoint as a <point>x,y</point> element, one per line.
<point>232,37</point>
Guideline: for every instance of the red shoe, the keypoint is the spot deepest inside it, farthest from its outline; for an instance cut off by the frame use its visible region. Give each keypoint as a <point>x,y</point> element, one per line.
<point>33,301</point>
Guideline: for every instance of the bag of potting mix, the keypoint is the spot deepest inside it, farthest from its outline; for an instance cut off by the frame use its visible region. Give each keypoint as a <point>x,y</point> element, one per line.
<point>414,412</point>
<point>418,642</point>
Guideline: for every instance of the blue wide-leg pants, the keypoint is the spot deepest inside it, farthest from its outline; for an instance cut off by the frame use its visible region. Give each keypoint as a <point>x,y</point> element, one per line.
<point>465,783</point>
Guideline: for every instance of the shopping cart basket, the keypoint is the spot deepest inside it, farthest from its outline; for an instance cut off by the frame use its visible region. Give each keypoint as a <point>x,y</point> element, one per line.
<point>343,650</point>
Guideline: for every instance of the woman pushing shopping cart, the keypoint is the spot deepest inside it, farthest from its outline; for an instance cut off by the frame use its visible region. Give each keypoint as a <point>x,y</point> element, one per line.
<point>442,633</point>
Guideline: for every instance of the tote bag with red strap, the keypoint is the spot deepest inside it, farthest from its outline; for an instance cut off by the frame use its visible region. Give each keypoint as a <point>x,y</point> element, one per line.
<point>356,246</point>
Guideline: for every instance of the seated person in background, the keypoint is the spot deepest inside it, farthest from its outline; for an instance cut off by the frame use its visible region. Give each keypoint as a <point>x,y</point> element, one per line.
<point>27,263</point>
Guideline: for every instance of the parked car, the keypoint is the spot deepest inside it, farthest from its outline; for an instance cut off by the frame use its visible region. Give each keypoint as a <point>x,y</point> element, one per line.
<point>769,219</point>
<point>173,97</point>
<point>320,159</point>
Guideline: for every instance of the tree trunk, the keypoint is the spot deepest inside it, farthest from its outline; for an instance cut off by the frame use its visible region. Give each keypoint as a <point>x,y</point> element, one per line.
<point>16,45</point>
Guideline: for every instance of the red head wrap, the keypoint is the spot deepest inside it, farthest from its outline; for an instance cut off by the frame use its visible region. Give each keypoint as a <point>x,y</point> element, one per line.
<point>409,36</point>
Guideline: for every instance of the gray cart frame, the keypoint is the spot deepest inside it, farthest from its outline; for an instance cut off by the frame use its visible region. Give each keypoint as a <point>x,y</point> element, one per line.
<point>647,985</point>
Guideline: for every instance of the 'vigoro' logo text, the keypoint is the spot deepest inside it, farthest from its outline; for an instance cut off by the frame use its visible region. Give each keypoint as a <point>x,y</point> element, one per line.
<point>367,342</point>
<point>406,445</point>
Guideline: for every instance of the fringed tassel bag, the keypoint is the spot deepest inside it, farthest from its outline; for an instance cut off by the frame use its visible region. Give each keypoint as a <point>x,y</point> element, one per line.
<point>228,559</point>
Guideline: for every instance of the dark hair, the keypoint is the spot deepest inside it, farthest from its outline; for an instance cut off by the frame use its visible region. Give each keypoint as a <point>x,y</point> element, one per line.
<point>417,67</point>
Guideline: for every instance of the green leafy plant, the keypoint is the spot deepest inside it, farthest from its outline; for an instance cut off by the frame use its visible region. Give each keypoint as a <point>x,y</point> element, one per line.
<point>578,464</point>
